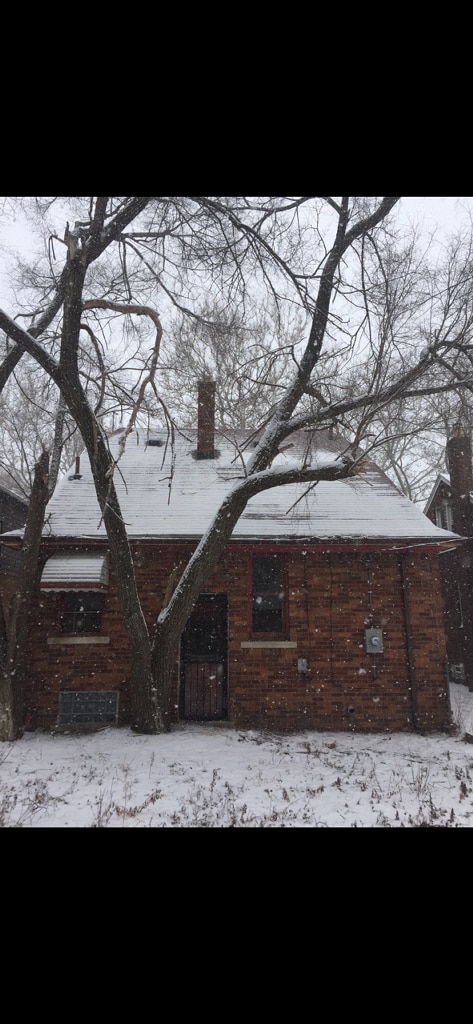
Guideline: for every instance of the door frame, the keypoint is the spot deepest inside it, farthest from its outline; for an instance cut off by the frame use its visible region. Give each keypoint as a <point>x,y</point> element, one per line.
<point>220,658</point>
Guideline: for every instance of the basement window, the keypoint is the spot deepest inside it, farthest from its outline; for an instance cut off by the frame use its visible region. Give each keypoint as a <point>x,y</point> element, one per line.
<point>91,707</point>
<point>268,605</point>
<point>82,612</point>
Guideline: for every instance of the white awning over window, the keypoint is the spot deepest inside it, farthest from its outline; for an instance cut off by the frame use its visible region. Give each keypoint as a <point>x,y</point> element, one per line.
<point>76,571</point>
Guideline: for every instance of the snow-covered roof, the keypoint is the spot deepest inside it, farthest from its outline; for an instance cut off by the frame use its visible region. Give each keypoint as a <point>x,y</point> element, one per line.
<point>166,492</point>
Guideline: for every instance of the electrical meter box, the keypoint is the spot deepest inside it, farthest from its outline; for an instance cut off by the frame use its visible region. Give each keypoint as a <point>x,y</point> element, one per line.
<point>374,641</point>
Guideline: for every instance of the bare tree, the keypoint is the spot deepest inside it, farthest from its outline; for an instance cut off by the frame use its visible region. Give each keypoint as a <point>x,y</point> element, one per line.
<point>319,252</point>
<point>250,361</point>
<point>412,305</point>
<point>33,418</point>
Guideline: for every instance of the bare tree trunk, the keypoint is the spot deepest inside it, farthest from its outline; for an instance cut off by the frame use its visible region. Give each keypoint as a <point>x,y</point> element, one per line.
<point>164,655</point>
<point>15,633</point>
<point>57,444</point>
<point>146,716</point>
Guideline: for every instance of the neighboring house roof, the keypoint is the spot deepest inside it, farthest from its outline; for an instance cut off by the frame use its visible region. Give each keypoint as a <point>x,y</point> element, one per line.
<point>16,497</point>
<point>442,478</point>
<point>167,493</point>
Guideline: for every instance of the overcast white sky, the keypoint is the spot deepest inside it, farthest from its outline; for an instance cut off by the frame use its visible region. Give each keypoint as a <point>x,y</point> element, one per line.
<point>445,213</point>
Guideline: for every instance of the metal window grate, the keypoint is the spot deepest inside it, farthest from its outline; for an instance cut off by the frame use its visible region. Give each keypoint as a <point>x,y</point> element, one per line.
<point>93,707</point>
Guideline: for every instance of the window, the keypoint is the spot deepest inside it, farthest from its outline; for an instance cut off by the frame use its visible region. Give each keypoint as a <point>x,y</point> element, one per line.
<point>444,517</point>
<point>82,612</point>
<point>88,708</point>
<point>267,594</point>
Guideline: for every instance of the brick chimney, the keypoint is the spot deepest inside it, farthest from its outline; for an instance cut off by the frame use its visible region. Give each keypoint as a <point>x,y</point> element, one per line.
<point>206,419</point>
<point>459,462</point>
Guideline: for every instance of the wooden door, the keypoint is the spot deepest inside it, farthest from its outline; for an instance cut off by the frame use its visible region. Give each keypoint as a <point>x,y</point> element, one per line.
<point>203,677</point>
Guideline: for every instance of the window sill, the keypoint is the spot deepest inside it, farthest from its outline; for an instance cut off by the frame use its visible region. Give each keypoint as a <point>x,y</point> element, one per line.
<point>68,640</point>
<point>268,643</point>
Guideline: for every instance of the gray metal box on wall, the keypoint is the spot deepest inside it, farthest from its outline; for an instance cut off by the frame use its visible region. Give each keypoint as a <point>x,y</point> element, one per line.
<point>374,641</point>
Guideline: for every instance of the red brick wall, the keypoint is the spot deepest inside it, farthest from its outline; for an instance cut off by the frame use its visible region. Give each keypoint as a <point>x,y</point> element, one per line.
<point>333,597</point>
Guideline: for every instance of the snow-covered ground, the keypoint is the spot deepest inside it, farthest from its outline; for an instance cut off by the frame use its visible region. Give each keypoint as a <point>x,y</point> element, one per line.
<point>207,776</point>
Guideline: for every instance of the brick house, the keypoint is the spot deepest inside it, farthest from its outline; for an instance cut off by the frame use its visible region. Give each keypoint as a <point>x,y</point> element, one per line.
<point>324,611</point>
<point>450,505</point>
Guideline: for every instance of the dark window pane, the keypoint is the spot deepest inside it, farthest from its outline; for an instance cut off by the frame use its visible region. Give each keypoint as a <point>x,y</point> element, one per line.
<point>267,615</point>
<point>267,605</point>
<point>267,574</point>
<point>82,612</point>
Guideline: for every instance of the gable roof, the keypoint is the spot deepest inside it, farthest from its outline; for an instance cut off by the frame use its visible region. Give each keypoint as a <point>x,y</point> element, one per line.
<point>7,493</point>
<point>167,493</point>
<point>442,478</point>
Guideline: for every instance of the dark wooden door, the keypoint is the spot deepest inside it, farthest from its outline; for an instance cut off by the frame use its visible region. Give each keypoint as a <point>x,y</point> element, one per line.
<point>203,690</point>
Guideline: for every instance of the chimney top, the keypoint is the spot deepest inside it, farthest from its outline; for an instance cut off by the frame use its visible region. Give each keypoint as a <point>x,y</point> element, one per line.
<point>77,475</point>
<point>206,419</point>
<point>459,462</point>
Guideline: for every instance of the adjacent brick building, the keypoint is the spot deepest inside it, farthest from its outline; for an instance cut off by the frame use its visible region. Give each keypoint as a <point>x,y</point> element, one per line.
<point>324,612</point>
<point>451,505</point>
